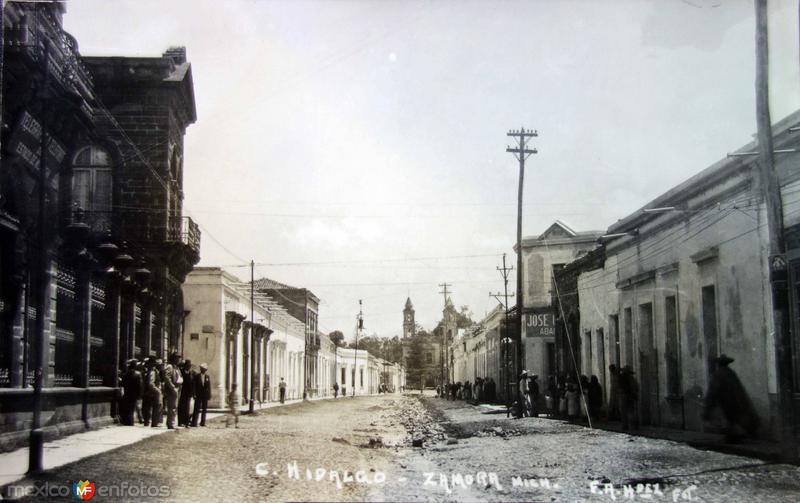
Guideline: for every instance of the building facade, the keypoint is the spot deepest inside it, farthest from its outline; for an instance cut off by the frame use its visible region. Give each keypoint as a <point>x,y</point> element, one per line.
<point>541,256</point>
<point>94,246</point>
<point>688,280</point>
<point>303,305</point>
<point>220,333</point>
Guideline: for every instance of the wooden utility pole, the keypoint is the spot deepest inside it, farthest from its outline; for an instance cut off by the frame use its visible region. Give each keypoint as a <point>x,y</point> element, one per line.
<point>359,327</point>
<point>504,380</point>
<point>252,350</point>
<point>770,189</point>
<point>521,152</point>
<point>43,277</point>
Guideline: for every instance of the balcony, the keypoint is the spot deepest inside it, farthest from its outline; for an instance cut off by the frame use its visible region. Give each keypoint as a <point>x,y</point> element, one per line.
<point>184,230</point>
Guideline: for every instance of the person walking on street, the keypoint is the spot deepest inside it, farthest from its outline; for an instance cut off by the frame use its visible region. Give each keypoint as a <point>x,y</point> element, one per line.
<point>335,390</point>
<point>282,390</point>
<point>726,391</point>
<point>628,395</point>
<point>132,392</point>
<point>202,394</point>
<point>233,407</point>
<point>187,393</point>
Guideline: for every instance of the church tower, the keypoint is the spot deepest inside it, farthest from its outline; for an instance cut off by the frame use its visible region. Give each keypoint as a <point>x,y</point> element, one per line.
<point>408,319</point>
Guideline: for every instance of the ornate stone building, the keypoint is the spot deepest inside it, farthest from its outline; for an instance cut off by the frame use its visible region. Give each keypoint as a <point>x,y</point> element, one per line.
<point>93,243</point>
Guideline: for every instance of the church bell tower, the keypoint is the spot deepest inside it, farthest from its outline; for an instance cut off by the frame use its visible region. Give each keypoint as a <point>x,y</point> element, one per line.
<point>408,319</point>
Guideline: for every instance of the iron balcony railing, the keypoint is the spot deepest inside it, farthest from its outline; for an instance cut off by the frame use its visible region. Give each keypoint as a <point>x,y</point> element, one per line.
<point>184,230</point>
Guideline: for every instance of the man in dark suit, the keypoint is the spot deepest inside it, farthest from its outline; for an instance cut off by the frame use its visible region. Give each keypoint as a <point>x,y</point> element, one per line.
<point>202,394</point>
<point>187,393</point>
<point>132,386</point>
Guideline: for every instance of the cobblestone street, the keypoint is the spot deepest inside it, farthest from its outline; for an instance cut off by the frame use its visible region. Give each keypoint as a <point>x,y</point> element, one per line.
<point>426,450</point>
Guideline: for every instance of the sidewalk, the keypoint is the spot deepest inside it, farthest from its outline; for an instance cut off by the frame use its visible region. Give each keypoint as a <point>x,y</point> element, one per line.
<point>754,448</point>
<point>71,448</point>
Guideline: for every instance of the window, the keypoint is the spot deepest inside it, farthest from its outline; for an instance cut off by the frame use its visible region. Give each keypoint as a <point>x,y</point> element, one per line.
<point>361,375</point>
<point>628,320</point>
<point>428,357</point>
<point>600,355</point>
<point>709,303</point>
<point>344,377</point>
<point>614,338</point>
<point>586,352</point>
<point>92,187</point>
<point>672,358</point>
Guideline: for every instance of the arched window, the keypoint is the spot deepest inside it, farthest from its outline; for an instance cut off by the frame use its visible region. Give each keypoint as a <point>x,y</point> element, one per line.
<point>91,186</point>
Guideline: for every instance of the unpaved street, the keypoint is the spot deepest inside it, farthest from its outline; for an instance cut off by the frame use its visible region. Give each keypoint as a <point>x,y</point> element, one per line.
<point>403,448</point>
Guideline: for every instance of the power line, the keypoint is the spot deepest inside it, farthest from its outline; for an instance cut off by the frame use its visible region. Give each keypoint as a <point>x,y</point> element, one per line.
<point>367,261</point>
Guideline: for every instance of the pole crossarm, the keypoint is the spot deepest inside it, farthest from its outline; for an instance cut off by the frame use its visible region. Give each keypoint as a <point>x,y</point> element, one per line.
<point>521,153</point>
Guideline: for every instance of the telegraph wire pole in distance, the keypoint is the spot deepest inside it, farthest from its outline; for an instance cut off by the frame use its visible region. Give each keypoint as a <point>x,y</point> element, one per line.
<point>252,337</point>
<point>521,153</point>
<point>445,367</point>
<point>504,368</point>
<point>359,327</point>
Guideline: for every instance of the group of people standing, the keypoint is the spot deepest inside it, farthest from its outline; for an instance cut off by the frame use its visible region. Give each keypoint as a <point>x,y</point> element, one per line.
<point>582,398</point>
<point>151,387</point>
<point>482,390</point>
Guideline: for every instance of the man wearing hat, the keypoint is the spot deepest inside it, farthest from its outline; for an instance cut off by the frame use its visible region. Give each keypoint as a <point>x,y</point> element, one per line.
<point>726,391</point>
<point>202,394</point>
<point>523,394</point>
<point>187,393</point>
<point>151,401</point>
<point>132,391</point>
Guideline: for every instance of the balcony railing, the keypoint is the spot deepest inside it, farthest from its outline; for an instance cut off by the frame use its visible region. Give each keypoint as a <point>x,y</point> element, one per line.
<point>184,230</point>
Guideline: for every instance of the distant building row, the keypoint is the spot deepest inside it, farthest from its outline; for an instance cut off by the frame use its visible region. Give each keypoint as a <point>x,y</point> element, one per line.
<point>285,342</point>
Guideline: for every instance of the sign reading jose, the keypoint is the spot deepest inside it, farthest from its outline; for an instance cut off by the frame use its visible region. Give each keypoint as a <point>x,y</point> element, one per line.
<point>540,324</point>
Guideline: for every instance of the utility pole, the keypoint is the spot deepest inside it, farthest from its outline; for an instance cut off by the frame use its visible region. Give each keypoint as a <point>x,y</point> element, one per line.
<point>504,368</point>
<point>445,367</point>
<point>768,181</point>
<point>252,336</point>
<point>359,327</point>
<point>521,153</point>
<point>40,335</point>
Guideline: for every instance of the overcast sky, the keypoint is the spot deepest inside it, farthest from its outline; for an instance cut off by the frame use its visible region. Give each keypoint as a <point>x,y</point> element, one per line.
<point>359,146</point>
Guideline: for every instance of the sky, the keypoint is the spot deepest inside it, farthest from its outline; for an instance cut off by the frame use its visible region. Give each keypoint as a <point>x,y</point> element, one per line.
<point>357,148</point>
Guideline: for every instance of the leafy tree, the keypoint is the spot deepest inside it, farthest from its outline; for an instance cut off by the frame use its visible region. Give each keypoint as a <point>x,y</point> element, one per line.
<point>464,318</point>
<point>337,337</point>
<point>415,362</point>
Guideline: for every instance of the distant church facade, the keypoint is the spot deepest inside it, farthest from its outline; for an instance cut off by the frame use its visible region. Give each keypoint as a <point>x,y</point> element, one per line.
<point>422,353</point>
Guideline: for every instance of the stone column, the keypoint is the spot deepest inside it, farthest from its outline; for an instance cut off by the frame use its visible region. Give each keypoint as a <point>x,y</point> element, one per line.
<point>83,325</point>
<point>112,340</point>
<point>247,328</point>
